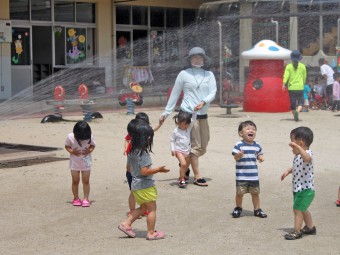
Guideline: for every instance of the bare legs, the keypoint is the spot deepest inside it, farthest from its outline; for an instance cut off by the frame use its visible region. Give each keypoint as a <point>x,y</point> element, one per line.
<point>184,164</point>
<point>256,201</point>
<point>132,202</point>
<point>300,217</point>
<point>150,220</point>
<point>86,183</point>
<point>194,165</point>
<point>85,176</point>
<point>75,183</point>
<point>298,109</point>
<point>255,198</point>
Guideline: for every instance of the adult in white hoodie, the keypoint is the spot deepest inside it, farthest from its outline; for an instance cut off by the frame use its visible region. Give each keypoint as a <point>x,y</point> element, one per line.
<point>199,87</point>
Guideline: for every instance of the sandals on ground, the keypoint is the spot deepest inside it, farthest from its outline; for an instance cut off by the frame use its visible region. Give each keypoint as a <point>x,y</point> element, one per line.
<point>237,212</point>
<point>293,235</point>
<point>259,213</point>
<point>337,202</point>
<point>186,177</point>
<point>158,236</point>
<point>127,230</point>
<point>187,173</point>
<point>201,182</point>
<point>308,231</point>
<point>182,183</point>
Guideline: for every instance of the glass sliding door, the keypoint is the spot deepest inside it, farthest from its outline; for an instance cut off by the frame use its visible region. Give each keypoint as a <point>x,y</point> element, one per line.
<point>21,73</point>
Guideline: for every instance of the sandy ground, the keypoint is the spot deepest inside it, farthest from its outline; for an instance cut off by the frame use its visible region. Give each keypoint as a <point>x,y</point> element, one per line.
<point>37,216</point>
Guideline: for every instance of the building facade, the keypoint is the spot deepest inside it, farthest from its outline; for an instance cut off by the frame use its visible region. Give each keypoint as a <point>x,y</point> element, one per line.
<point>102,43</point>
<point>107,44</point>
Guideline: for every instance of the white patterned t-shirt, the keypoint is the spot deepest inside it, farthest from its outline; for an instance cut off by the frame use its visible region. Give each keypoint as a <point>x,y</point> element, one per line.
<point>303,173</point>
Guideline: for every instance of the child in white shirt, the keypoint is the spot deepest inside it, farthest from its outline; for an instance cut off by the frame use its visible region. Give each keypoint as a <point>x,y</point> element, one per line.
<point>180,142</point>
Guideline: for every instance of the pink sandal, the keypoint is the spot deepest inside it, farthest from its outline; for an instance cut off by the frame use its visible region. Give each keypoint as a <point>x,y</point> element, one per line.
<point>128,231</point>
<point>86,203</point>
<point>76,202</point>
<point>159,235</point>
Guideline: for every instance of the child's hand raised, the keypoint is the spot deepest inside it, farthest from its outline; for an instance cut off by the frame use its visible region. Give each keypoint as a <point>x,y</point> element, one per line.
<point>238,155</point>
<point>296,148</point>
<point>163,169</point>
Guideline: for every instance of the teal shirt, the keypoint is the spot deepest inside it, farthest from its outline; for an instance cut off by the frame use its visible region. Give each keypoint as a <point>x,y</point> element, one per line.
<point>306,91</point>
<point>296,77</point>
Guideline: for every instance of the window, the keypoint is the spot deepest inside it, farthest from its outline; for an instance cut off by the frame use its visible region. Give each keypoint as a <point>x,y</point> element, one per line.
<point>140,15</point>
<point>157,47</point>
<point>151,36</point>
<point>20,46</point>
<point>41,10</point>
<point>19,9</point>
<point>90,45</point>
<point>189,17</point>
<point>308,30</point>
<point>172,46</point>
<point>123,44</point>
<point>123,15</point>
<point>266,27</point>
<point>64,11</point>
<point>157,17</point>
<point>59,48</point>
<point>140,47</point>
<point>85,12</point>
<point>173,18</point>
<point>330,30</point>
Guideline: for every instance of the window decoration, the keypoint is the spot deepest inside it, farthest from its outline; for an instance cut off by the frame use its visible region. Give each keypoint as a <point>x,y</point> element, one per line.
<point>76,45</point>
<point>20,46</point>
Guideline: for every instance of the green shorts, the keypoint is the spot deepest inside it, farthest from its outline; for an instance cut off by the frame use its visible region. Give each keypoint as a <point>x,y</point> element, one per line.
<point>145,195</point>
<point>303,199</point>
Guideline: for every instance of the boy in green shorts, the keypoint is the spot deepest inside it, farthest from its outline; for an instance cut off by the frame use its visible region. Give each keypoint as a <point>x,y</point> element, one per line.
<point>303,182</point>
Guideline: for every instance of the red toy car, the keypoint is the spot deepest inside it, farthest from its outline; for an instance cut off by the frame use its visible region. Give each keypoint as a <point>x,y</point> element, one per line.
<point>136,97</point>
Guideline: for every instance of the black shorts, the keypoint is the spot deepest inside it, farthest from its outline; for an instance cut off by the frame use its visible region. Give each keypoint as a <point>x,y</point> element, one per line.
<point>296,98</point>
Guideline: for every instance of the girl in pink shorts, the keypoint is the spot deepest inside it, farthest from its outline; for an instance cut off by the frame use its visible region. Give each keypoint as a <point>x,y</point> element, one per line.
<point>180,142</point>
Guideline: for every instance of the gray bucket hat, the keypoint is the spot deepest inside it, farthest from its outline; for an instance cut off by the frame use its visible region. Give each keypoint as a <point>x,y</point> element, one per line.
<point>295,55</point>
<point>198,51</point>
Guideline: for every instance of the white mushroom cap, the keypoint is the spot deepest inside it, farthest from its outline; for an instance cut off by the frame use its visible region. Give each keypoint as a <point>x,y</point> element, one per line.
<point>266,49</point>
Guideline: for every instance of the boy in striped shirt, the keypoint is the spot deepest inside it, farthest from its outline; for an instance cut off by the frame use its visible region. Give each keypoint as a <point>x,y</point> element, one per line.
<point>246,153</point>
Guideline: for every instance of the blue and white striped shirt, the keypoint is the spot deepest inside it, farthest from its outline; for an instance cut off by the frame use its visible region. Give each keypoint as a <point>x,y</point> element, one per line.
<point>246,167</point>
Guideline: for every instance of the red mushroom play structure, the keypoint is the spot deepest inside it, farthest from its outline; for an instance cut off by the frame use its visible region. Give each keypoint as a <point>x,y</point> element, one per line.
<point>263,89</point>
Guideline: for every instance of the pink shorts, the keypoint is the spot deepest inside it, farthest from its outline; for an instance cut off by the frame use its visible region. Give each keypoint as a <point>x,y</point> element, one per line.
<point>185,154</point>
<point>81,170</point>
